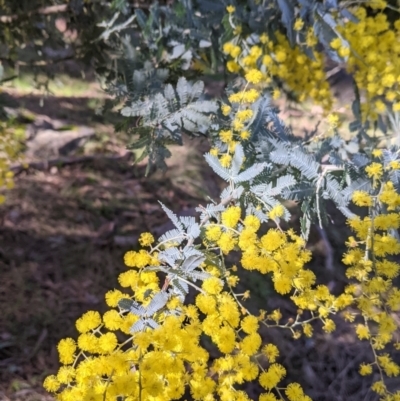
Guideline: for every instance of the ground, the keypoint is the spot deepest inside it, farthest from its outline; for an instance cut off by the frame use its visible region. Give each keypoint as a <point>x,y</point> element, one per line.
<point>66,226</point>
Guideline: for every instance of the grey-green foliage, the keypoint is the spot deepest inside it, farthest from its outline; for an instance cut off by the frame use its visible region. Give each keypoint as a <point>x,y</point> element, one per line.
<point>165,115</point>
<point>326,169</point>
<point>161,104</point>
<point>183,39</point>
<point>282,166</point>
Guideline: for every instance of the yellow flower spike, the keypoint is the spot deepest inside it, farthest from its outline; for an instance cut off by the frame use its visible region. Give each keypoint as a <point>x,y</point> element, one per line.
<point>231,9</point>
<point>269,379</point>
<point>130,259</point>
<point>232,280</point>
<point>213,233</point>
<point>66,374</point>
<point>308,330</point>
<point>112,320</point>
<point>344,51</point>
<point>237,124</point>
<point>51,384</point>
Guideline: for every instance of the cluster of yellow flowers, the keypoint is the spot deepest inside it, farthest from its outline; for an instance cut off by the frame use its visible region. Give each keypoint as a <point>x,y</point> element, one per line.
<point>160,356</point>
<point>369,48</point>
<point>371,264</point>
<point>9,152</point>
<point>109,361</point>
<point>373,59</point>
<point>163,360</point>
<point>240,114</point>
<point>282,254</point>
<point>280,61</point>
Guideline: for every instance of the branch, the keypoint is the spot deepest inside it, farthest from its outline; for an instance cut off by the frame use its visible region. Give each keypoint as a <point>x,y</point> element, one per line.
<point>7,19</point>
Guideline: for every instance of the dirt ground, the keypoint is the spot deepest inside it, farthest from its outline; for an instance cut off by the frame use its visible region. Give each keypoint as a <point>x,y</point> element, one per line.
<point>64,231</point>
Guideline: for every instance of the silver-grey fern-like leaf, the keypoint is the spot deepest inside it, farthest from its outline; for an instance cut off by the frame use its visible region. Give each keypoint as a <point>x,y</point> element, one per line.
<point>361,184</point>
<point>138,108</point>
<point>190,250</point>
<point>180,286</point>
<point>210,210</point>
<point>226,193</point>
<point>187,221</point>
<point>335,191</point>
<point>389,156</point>
<point>250,173</point>
<point>194,230</point>
<point>170,97</point>
<point>283,182</point>
<point>174,235</point>
<point>215,164</point>
<point>190,263</point>
<point>196,275</point>
<point>196,90</point>
<point>158,302</point>
<point>182,90</point>
<point>347,212</point>
<point>237,160</point>
<point>173,217</point>
<point>137,309</point>
<point>138,326</point>
<point>237,192</point>
<point>170,256</point>
<point>305,163</point>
